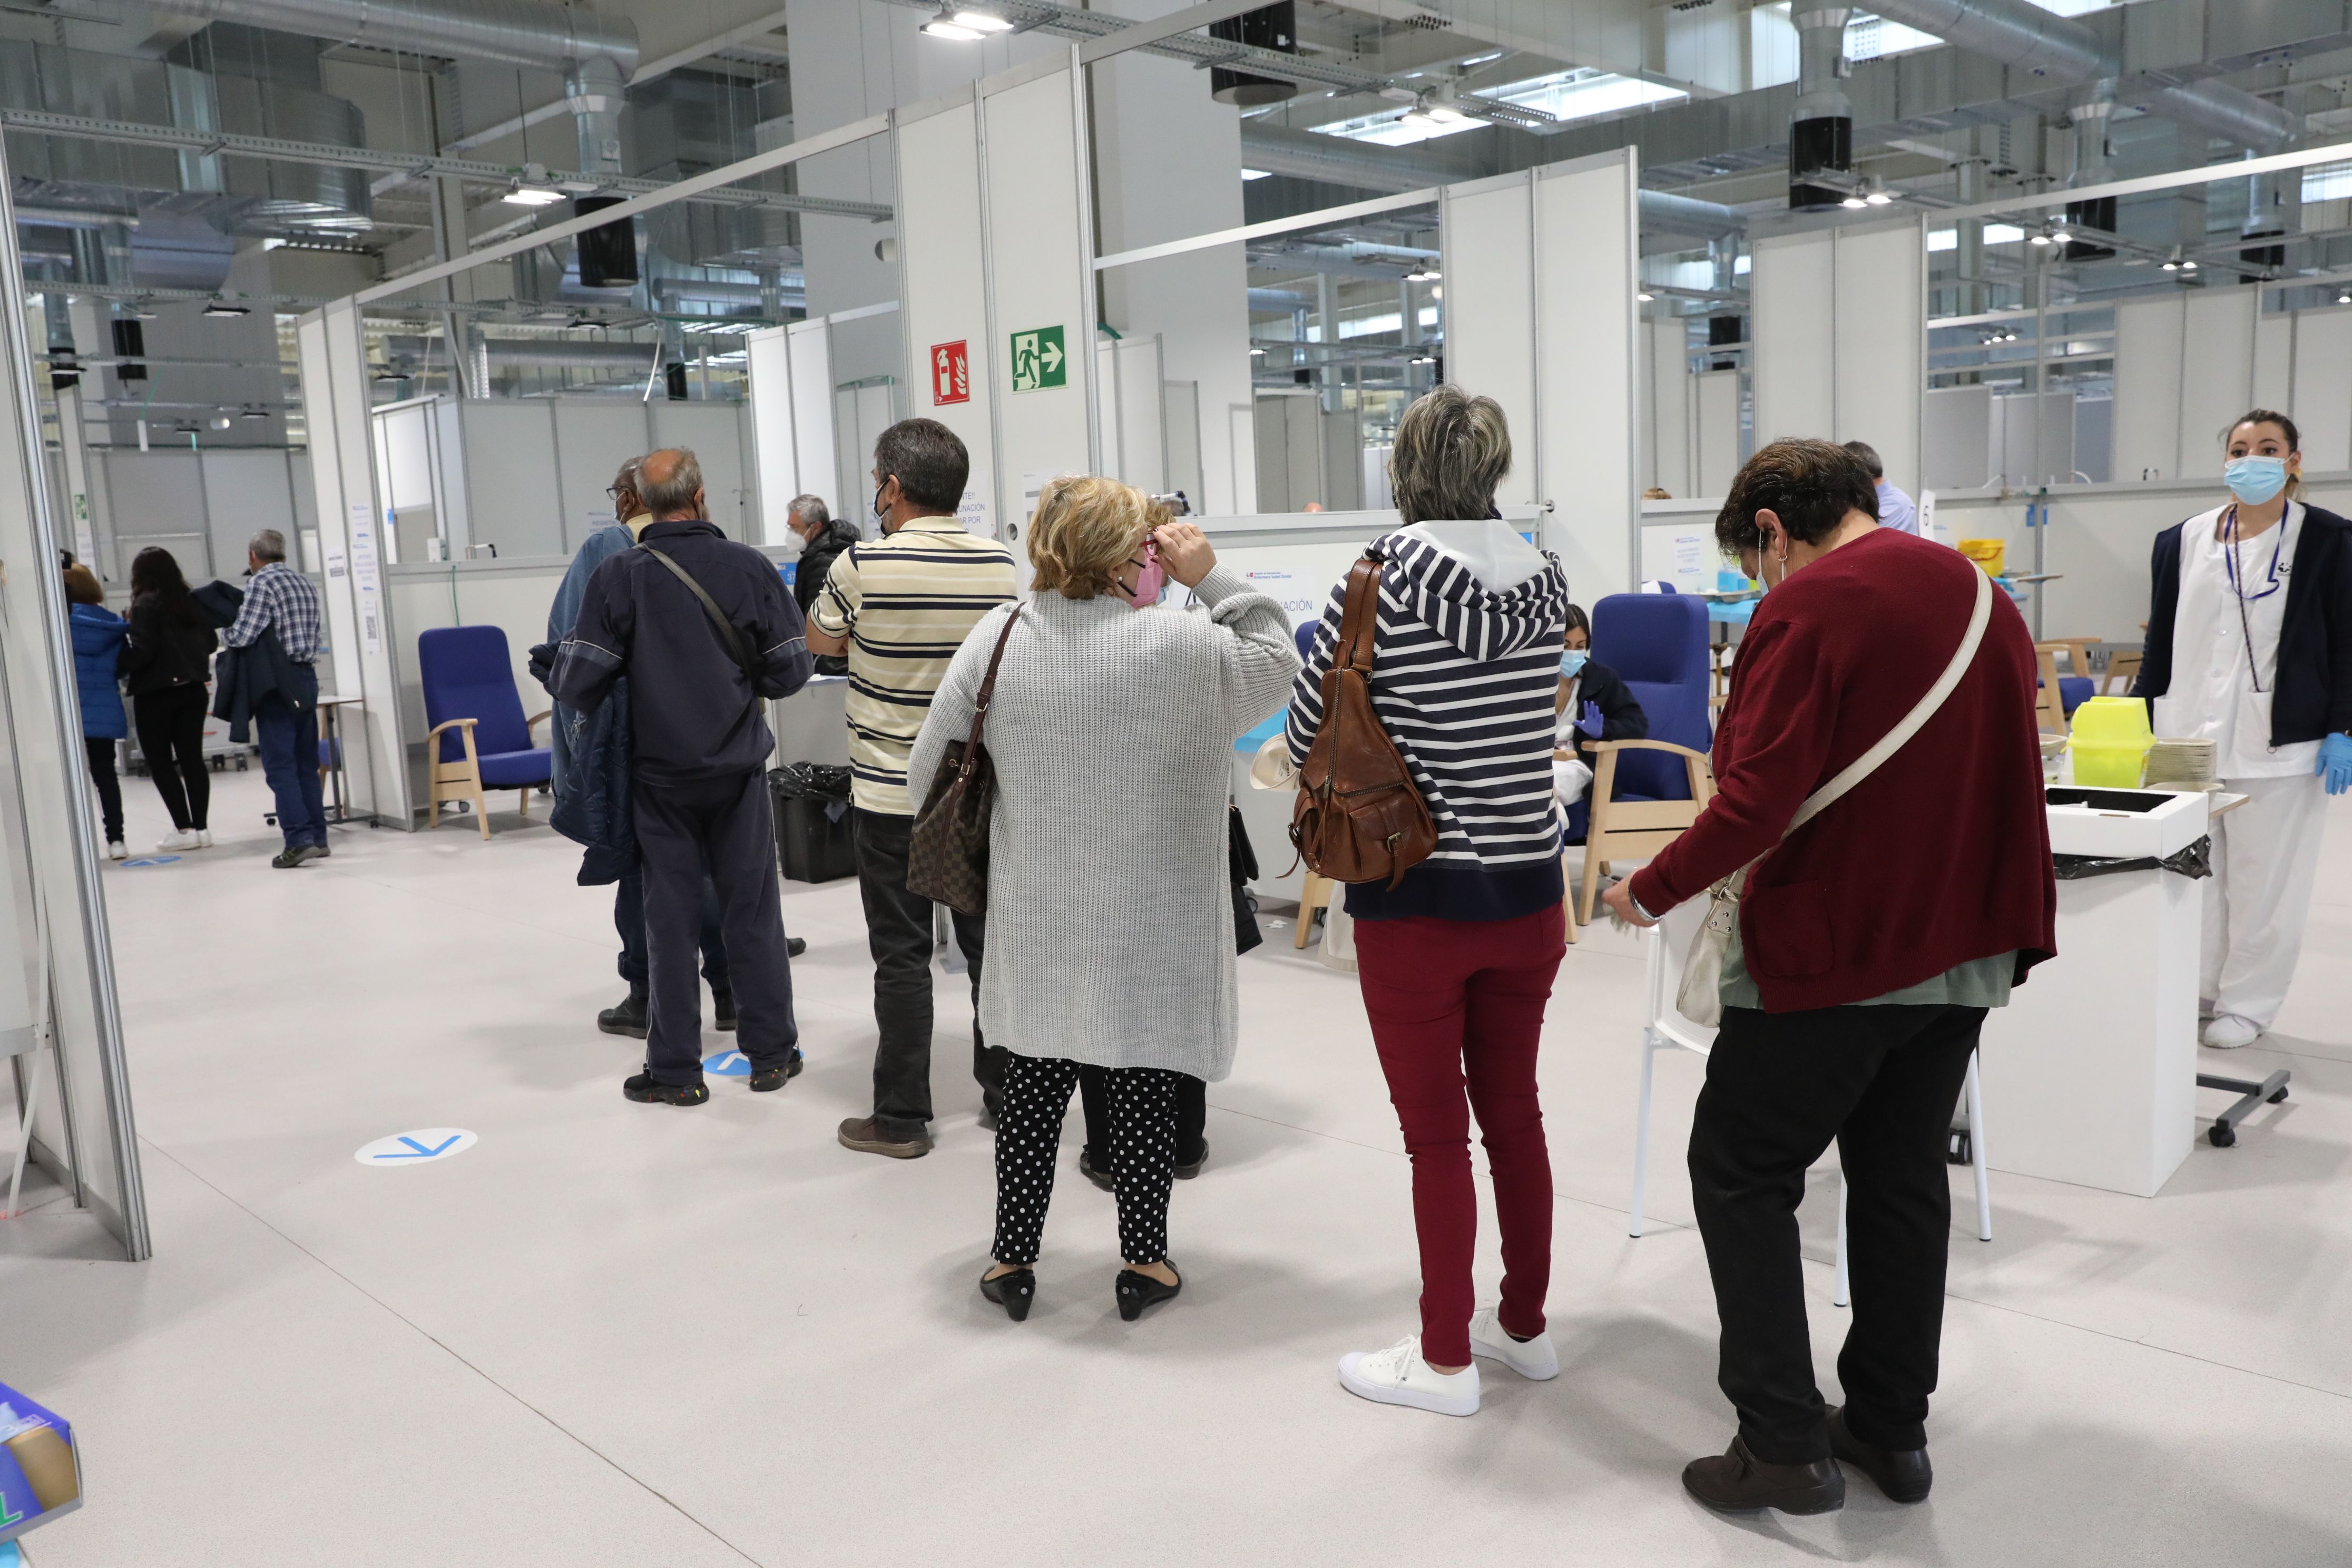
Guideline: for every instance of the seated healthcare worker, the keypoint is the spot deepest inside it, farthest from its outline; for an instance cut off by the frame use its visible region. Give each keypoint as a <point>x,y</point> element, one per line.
<point>1592,704</point>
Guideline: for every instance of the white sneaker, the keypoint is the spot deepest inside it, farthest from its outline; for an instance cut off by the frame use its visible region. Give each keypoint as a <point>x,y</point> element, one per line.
<point>1398,1376</point>
<point>117,850</point>
<point>1534,1359</point>
<point>2227,1032</point>
<point>204,837</point>
<point>180,838</point>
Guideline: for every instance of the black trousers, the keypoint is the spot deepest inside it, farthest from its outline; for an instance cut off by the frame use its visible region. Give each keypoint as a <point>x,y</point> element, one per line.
<point>721,829</point>
<point>1192,1117</point>
<point>100,751</point>
<point>1142,1121</point>
<point>898,934</point>
<point>172,738</point>
<point>1882,1081</point>
<point>629,921</point>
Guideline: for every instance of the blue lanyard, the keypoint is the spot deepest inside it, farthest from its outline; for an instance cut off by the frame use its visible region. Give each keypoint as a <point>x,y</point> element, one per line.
<point>2238,586</point>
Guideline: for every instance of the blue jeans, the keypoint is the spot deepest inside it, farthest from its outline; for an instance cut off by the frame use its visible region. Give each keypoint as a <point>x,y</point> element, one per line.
<point>288,738</point>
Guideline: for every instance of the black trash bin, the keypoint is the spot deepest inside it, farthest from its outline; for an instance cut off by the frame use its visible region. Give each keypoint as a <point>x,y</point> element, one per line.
<point>811,802</point>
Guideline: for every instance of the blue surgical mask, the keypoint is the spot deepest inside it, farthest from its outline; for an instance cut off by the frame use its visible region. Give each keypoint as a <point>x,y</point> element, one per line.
<point>2255,479</point>
<point>1571,663</point>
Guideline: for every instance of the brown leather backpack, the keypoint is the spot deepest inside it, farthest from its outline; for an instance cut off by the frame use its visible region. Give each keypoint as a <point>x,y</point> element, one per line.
<point>1358,818</point>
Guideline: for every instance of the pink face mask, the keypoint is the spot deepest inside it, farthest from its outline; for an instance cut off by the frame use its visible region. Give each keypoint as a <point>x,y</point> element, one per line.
<point>1150,580</point>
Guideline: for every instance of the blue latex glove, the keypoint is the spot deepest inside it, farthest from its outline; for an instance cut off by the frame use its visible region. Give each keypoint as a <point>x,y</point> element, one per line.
<point>2335,762</point>
<point>1591,722</point>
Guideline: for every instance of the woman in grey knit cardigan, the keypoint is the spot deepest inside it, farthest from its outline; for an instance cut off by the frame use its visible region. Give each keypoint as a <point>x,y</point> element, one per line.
<point>1110,930</point>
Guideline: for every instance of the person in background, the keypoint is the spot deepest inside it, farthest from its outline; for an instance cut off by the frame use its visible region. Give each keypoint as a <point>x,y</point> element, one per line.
<point>1456,961</point>
<point>166,666</point>
<point>898,607</point>
<point>281,607</point>
<point>822,538</point>
<point>1592,704</point>
<point>1112,729</point>
<point>628,1018</point>
<point>699,749</point>
<point>1654,493</point>
<point>1865,955</point>
<point>97,637</point>
<point>2249,647</point>
<point>1895,509</point>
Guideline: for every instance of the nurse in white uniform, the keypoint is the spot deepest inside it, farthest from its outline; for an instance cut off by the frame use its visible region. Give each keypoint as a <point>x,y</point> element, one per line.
<point>2250,646</point>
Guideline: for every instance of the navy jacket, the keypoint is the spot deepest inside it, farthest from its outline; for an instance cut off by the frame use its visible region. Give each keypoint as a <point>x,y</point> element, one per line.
<point>693,713</point>
<point>97,634</point>
<point>2314,692</point>
<point>242,677</point>
<point>1621,717</point>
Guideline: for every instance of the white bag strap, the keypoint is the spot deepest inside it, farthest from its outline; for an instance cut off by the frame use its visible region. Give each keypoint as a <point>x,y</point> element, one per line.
<point>1863,766</point>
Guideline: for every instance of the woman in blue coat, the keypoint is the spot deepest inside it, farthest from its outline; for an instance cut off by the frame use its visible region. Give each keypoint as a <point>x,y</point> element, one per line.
<point>97,633</point>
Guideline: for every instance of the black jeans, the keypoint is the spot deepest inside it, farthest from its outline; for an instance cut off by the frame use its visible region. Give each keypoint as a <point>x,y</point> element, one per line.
<point>898,933</point>
<point>720,829</point>
<point>629,921</point>
<point>172,738</point>
<point>1882,1081</point>
<point>100,751</point>
<point>1192,1117</point>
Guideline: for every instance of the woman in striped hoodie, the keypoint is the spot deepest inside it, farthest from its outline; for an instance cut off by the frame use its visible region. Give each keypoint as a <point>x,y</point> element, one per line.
<point>1456,961</point>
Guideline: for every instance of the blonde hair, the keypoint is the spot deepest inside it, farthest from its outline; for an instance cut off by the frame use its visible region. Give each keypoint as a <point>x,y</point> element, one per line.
<point>1451,449</point>
<point>1084,529</point>
<point>81,585</point>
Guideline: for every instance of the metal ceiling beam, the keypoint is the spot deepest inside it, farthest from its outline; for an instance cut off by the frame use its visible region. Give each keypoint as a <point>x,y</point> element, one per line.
<point>413,164</point>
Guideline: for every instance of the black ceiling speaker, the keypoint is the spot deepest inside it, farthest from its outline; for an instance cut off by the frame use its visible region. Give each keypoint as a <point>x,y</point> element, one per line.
<point>2098,213</point>
<point>1818,147</point>
<point>1272,26</point>
<point>129,343</point>
<point>674,379</point>
<point>608,253</point>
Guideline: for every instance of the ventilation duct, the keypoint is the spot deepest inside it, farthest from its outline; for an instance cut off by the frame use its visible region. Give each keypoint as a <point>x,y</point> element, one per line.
<point>1821,132</point>
<point>511,32</point>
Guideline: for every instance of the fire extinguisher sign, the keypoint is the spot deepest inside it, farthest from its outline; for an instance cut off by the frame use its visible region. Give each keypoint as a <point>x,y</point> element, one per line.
<point>950,373</point>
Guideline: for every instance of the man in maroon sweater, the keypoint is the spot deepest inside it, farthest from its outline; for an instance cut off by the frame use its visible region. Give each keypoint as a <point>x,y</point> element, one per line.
<point>1869,944</point>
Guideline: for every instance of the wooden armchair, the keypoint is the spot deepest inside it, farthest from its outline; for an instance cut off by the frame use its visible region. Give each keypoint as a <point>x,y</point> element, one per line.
<point>1635,829</point>
<point>468,686</point>
<point>462,779</point>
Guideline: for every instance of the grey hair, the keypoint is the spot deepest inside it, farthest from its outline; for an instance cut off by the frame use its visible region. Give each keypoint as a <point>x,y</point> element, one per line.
<point>268,545</point>
<point>675,493</point>
<point>1451,450</point>
<point>809,508</point>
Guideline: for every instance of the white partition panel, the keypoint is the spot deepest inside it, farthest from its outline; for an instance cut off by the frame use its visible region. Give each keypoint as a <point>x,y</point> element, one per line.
<point>774,458</point>
<point>810,345</point>
<point>1486,233</point>
<point>1133,412</point>
<point>2218,355</point>
<point>2149,339</point>
<point>2185,367</point>
<point>1841,334</point>
<point>1587,353</point>
<point>1040,279</point>
<point>511,481</point>
<point>2321,398</point>
<point>245,490</point>
<point>592,440</point>
<point>714,433</point>
<point>1668,459</point>
<point>949,336</point>
<point>1717,442</point>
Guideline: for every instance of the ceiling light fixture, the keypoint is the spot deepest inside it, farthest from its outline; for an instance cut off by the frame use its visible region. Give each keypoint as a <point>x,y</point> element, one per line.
<point>1878,199</point>
<point>2189,267</point>
<point>522,195</point>
<point>255,414</point>
<point>1257,353</point>
<point>2040,239</point>
<point>2060,236</point>
<point>1422,359</point>
<point>1645,297</point>
<point>948,24</point>
<point>222,308</point>
<point>1856,202</point>
<point>982,21</point>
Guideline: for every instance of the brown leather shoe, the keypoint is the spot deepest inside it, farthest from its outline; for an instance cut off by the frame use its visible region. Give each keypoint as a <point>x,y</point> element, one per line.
<point>1902,1474</point>
<point>1739,1482</point>
<point>868,1136</point>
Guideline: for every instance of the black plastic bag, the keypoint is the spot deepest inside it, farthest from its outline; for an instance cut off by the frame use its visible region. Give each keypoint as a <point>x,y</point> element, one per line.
<point>813,781</point>
<point>2193,862</point>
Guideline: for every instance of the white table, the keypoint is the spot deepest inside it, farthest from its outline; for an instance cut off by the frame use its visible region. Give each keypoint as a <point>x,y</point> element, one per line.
<point>2090,1073</point>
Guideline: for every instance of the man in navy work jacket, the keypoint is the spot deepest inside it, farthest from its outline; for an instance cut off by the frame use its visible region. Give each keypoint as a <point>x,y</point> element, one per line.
<point>699,775</point>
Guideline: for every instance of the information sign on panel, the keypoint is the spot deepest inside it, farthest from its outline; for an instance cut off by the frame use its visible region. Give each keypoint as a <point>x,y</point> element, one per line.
<point>950,373</point>
<point>1038,360</point>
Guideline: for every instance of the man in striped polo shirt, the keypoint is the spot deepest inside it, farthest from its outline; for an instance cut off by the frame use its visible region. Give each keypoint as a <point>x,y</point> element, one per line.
<point>899,608</point>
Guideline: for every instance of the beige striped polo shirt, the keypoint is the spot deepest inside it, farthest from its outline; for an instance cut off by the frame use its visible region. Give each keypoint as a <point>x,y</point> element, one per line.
<point>905,602</point>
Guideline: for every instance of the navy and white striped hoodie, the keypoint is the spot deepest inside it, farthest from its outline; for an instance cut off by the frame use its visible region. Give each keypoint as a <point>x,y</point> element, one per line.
<point>1465,664</point>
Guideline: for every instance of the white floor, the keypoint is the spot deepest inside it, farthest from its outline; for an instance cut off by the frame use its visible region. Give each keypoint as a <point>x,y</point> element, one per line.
<point>616,1334</point>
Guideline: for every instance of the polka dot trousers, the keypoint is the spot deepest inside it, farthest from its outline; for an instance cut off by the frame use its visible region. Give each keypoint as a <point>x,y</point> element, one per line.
<point>1029,1138</point>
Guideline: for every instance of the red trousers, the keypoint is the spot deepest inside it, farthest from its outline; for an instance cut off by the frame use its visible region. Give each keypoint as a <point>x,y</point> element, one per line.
<point>1450,1000</point>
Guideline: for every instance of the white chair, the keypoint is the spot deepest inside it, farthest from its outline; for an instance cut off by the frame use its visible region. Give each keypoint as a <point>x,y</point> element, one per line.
<point>1663,1029</point>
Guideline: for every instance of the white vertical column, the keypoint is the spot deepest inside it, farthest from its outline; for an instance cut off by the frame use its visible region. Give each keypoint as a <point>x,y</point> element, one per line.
<point>944,303</point>
<point>1841,331</point>
<point>1586,346</point>
<point>1486,232</point>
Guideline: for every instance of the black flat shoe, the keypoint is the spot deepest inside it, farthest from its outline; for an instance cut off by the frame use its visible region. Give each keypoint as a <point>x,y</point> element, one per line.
<point>794,946</point>
<point>1736,1481</point>
<point>628,1018</point>
<point>1014,1291</point>
<point>1136,1290</point>
<point>722,1010</point>
<point>1186,1172</point>
<point>1903,1475</point>
<point>1094,1172</point>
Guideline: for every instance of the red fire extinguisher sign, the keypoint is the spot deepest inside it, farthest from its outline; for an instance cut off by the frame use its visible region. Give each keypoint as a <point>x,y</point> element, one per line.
<point>950,373</point>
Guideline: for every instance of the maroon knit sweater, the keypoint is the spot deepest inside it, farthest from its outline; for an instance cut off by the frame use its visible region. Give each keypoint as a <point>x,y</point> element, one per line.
<point>1941,856</point>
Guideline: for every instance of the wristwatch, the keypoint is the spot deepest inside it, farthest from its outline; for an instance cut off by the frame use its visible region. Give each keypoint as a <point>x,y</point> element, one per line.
<point>1637,905</point>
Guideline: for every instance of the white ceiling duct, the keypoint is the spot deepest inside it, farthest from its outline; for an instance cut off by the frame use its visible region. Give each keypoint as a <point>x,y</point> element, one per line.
<point>516,32</point>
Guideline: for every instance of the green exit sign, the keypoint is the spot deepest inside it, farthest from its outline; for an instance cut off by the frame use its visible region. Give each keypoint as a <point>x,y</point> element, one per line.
<point>1039,360</point>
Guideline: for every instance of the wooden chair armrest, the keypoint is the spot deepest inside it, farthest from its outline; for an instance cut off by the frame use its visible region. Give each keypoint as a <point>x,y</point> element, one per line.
<point>450,724</point>
<point>1606,747</point>
<point>537,720</point>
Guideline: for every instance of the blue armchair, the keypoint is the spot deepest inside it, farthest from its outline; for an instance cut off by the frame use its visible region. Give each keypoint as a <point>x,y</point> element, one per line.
<point>479,738</point>
<point>1645,793</point>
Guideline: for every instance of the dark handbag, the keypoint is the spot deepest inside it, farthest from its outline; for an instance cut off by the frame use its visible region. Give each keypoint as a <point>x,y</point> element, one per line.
<point>946,853</point>
<point>1358,818</point>
<point>1241,863</point>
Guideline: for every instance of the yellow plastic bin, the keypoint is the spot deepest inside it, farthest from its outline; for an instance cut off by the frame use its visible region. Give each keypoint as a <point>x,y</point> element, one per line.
<point>1992,554</point>
<point>2111,741</point>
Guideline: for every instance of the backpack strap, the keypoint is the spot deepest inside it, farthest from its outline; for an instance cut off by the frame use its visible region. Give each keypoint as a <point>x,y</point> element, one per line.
<point>729,637</point>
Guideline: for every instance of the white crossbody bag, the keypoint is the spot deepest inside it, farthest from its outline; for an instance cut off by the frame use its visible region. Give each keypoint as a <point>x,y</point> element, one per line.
<point>1700,998</point>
